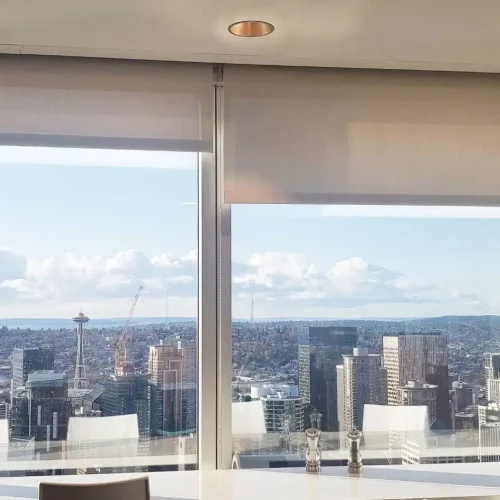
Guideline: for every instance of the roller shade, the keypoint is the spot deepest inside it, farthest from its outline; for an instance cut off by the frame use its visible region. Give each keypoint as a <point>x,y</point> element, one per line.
<point>361,137</point>
<point>105,103</point>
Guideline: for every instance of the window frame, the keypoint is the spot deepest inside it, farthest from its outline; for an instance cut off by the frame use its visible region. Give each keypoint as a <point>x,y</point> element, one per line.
<point>214,440</point>
<point>215,446</point>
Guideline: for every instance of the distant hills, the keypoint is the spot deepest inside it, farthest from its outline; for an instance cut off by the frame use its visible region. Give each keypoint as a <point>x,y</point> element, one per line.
<point>64,323</point>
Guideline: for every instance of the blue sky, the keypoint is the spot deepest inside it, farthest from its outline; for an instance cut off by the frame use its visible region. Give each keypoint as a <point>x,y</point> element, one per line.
<point>74,232</point>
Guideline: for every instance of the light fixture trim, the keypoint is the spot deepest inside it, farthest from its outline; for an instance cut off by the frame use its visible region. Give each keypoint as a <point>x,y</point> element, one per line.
<point>251,28</point>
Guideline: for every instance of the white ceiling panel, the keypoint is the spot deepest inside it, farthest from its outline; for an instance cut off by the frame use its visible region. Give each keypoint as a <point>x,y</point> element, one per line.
<point>413,34</point>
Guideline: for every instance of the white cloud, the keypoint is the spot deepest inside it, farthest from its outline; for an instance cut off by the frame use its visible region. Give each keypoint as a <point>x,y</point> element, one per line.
<point>289,282</point>
<point>69,277</point>
<point>353,282</point>
<point>12,265</point>
<point>276,270</point>
<point>356,276</point>
<point>190,257</point>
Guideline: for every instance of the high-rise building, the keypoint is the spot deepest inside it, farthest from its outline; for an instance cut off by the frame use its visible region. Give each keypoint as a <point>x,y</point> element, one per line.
<point>5,407</point>
<point>466,419</point>
<point>92,401</point>
<point>80,380</point>
<point>41,409</point>
<point>464,395</point>
<point>320,351</point>
<point>416,393</point>
<point>383,384</point>
<point>491,365</point>
<point>493,389</point>
<point>283,407</point>
<point>421,357</point>
<point>359,382</point>
<point>492,376</point>
<point>172,371</point>
<point>489,432</point>
<point>28,360</point>
<point>127,395</point>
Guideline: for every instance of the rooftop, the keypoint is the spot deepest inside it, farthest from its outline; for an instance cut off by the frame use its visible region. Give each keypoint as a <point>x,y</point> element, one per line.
<point>404,334</point>
<point>360,352</point>
<point>78,393</point>
<point>42,376</point>
<point>280,396</point>
<point>414,384</point>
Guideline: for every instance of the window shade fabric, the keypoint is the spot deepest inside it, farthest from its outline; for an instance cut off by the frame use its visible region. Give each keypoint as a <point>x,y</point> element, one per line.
<point>361,137</point>
<point>104,103</point>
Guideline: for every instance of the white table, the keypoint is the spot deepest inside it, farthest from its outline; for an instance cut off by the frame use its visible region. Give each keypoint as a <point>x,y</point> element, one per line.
<point>285,484</point>
<point>468,474</point>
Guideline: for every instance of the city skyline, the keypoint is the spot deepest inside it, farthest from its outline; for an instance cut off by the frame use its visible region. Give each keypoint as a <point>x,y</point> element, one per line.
<point>91,226</point>
<point>291,371</point>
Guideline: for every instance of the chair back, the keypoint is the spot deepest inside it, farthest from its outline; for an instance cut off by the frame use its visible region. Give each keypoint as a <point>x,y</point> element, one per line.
<point>133,489</point>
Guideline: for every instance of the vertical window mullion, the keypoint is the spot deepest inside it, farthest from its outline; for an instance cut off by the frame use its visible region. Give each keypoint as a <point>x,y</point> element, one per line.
<point>224,312</point>
<point>207,313</point>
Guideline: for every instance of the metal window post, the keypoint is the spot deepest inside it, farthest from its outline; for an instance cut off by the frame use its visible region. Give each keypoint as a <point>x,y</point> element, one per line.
<point>207,314</point>
<point>214,338</point>
<point>224,312</point>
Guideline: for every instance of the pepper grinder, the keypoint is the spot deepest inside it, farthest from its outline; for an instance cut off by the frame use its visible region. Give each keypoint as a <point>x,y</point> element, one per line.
<point>313,453</point>
<point>354,460</point>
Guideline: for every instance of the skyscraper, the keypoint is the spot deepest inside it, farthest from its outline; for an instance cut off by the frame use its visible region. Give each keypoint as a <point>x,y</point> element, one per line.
<point>418,394</point>
<point>491,365</point>
<point>320,351</point>
<point>493,389</point>
<point>489,432</point>
<point>128,395</point>
<point>5,408</point>
<point>283,407</point>
<point>421,357</point>
<point>464,395</point>
<point>28,360</point>
<point>41,408</point>
<point>172,371</point>
<point>492,376</point>
<point>359,382</point>
<point>466,419</point>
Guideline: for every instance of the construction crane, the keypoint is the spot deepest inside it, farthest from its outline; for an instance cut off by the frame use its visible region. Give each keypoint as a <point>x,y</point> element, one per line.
<point>122,365</point>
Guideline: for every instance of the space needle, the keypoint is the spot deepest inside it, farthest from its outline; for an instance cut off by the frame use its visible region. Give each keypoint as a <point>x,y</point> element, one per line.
<point>80,374</point>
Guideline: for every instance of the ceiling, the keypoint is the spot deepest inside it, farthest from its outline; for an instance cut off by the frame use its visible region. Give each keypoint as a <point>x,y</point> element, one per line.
<point>459,35</point>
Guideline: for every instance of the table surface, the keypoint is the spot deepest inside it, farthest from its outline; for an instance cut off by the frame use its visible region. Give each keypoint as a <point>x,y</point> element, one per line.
<point>382,482</point>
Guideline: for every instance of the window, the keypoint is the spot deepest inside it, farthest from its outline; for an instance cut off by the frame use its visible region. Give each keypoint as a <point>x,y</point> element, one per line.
<point>343,316</point>
<point>98,285</point>
<point>377,317</point>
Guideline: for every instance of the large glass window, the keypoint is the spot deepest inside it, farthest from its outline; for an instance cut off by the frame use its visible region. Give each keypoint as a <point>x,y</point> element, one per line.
<point>380,319</point>
<point>98,316</point>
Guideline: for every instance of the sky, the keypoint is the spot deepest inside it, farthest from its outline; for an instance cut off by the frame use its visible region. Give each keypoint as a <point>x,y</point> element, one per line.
<point>82,229</point>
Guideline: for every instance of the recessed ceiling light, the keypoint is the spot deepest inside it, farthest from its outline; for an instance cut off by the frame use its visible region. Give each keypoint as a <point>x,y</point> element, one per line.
<point>251,29</point>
